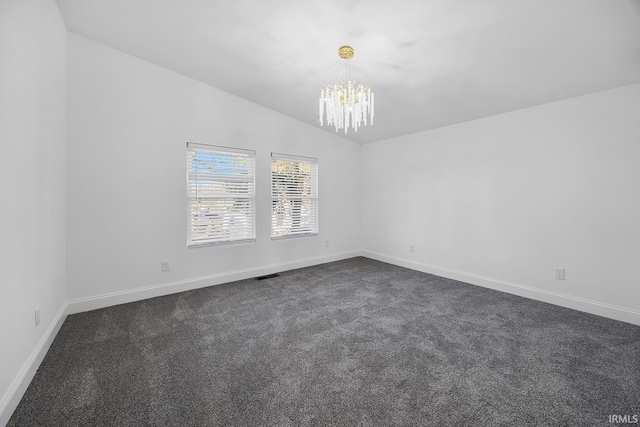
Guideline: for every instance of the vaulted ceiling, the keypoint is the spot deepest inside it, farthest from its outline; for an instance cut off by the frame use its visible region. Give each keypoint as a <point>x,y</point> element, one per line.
<point>431,63</point>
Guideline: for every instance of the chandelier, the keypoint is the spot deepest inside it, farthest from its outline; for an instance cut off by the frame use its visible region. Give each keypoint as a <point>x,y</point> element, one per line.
<point>346,103</point>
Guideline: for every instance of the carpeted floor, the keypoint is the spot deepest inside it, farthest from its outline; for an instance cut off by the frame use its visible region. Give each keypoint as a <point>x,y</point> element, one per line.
<point>353,343</point>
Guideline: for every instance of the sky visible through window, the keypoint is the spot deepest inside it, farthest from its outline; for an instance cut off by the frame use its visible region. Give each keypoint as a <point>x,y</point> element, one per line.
<point>218,163</point>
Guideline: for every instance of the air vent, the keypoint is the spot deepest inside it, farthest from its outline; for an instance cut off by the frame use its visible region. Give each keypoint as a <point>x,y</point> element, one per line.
<point>268,276</point>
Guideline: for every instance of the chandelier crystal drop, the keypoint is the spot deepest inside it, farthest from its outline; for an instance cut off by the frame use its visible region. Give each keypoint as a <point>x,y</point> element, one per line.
<point>346,103</point>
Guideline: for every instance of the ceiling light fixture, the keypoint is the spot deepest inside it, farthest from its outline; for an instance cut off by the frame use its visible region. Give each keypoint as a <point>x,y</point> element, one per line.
<point>346,103</point>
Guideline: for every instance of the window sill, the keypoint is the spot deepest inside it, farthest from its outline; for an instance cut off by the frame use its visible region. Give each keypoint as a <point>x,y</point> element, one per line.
<point>295,236</point>
<point>220,244</point>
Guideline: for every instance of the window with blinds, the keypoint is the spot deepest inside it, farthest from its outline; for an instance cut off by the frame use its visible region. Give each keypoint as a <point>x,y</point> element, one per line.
<point>221,195</point>
<point>294,196</point>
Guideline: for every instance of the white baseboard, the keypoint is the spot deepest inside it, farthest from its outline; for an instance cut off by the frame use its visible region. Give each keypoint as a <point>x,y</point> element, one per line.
<point>594,307</point>
<point>122,297</point>
<point>18,387</point>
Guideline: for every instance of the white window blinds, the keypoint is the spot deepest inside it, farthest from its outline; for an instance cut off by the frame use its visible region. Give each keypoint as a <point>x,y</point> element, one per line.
<point>221,192</point>
<point>294,196</point>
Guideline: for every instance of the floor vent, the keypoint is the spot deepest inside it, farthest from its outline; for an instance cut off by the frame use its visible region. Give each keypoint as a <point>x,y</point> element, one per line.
<point>268,276</point>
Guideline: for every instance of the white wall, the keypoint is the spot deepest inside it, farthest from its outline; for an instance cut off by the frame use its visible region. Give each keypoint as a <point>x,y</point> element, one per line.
<point>32,188</point>
<point>129,122</point>
<point>498,202</point>
<point>503,200</point>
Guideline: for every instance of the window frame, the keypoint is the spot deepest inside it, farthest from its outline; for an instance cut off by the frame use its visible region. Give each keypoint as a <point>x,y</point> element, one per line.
<point>249,199</point>
<point>313,197</point>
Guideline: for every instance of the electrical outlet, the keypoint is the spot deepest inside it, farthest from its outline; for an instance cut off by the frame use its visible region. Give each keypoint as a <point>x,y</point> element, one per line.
<point>559,273</point>
<point>37,316</point>
<point>326,243</point>
<point>165,265</point>
<point>412,248</point>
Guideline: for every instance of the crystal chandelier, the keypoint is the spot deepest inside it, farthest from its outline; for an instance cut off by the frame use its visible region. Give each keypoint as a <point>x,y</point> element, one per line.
<point>346,103</point>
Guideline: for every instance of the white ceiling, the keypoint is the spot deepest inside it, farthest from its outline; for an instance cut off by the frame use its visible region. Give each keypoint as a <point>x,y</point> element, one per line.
<point>431,63</point>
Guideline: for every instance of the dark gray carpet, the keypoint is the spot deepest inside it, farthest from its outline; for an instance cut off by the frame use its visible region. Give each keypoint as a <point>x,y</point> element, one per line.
<point>355,343</point>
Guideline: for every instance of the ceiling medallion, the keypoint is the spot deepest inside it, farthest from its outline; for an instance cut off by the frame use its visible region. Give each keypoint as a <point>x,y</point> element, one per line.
<point>346,103</point>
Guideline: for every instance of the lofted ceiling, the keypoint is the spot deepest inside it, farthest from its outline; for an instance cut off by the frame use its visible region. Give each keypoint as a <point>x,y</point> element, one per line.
<point>431,63</point>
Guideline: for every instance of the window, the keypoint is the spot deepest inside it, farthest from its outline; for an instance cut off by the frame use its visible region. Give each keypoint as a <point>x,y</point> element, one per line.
<point>294,196</point>
<point>222,196</point>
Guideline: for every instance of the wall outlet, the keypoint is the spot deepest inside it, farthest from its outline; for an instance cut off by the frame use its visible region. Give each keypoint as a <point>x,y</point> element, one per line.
<point>559,273</point>
<point>326,243</point>
<point>165,265</point>
<point>412,248</point>
<point>37,318</point>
